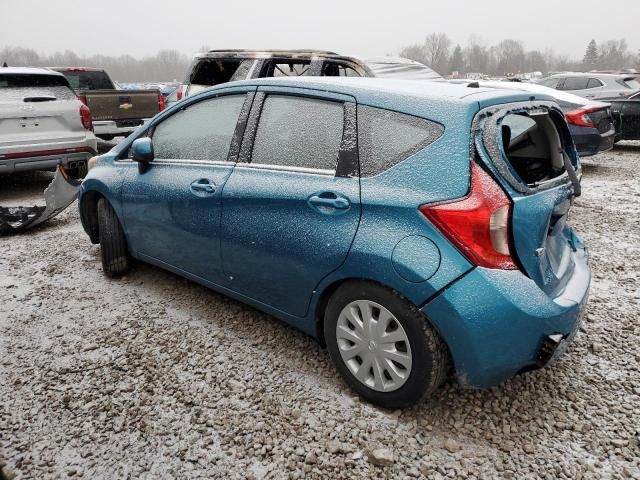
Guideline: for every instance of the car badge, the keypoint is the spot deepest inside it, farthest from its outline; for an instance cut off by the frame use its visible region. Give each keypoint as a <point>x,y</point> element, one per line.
<point>126,106</point>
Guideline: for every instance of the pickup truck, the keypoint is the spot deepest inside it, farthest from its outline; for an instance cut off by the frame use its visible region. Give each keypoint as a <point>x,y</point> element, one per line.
<point>115,112</point>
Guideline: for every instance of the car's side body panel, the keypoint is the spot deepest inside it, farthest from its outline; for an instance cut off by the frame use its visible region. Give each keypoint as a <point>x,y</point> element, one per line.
<point>493,321</point>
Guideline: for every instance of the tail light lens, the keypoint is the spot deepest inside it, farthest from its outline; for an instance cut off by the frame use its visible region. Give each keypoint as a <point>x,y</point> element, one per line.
<point>85,117</point>
<point>580,117</point>
<point>161,104</point>
<point>83,98</point>
<point>179,93</point>
<point>479,224</point>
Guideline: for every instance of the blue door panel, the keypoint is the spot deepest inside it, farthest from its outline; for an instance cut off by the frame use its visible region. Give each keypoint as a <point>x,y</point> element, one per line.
<point>170,219</point>
<point>277,244</point>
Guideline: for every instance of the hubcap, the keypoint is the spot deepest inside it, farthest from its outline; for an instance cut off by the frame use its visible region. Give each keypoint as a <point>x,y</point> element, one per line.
<point>373,345</point>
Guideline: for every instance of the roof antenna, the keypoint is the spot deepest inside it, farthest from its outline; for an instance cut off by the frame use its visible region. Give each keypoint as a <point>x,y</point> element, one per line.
<point>4,65</point>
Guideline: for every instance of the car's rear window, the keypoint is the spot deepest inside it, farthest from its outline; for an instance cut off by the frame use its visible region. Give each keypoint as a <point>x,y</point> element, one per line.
<point>30,87</point>
<point>88,80</point>
<point>533,146</point>
<point>632,83</point>
<point>386,138</point>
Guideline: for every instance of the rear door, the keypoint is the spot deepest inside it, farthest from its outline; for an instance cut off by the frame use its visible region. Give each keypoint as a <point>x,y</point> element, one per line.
<point>38,110</point>
<point>172,206</point>
<point>292,206</point>
<point>528,150</point>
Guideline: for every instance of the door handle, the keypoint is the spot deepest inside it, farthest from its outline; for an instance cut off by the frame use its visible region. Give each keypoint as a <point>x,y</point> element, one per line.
<point>203,187</point>
<point>330,200</point>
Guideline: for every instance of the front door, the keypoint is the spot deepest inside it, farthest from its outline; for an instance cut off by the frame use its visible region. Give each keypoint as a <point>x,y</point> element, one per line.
<point>172,206</point>
<point>290,214</point>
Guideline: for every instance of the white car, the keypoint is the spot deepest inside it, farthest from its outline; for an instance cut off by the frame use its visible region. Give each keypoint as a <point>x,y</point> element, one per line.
<point>42,123</point>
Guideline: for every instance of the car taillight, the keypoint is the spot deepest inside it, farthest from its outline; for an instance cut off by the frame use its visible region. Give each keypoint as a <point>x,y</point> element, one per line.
<point>82,98</point>
<point>479,224</point>
<point>580,117</point>
<point>85,117</point>
<point>161,104</point>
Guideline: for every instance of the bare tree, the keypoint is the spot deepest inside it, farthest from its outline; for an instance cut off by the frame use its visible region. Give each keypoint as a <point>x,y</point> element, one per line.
<point>436,48</point>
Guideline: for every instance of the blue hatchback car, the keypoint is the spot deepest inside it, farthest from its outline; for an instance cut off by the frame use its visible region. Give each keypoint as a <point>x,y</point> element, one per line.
<point>409,229</point>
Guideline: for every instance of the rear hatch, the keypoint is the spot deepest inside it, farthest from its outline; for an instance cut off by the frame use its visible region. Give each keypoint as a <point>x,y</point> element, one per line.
<point>37,109</point>
<point>122,104</point>
<point>528,147</point>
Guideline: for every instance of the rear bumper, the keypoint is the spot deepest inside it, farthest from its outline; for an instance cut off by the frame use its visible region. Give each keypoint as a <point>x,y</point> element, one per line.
<point>589,141</point>
<point>70,161</point>
<point>111,128</point>
<point>496,322</point>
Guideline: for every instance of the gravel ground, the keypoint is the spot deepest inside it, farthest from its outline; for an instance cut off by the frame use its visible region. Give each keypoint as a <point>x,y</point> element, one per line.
<point>152,376</point>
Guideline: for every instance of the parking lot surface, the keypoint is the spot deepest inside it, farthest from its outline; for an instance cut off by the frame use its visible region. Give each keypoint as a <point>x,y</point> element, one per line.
<point>153,376</point>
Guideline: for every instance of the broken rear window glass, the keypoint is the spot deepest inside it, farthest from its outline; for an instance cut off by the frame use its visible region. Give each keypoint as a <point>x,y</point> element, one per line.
<point>532,146</point>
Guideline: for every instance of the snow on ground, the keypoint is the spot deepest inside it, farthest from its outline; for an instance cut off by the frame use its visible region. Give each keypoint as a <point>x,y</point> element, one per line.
<point>153,376</point>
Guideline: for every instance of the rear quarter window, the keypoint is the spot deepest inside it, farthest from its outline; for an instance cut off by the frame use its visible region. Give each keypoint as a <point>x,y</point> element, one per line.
<point>386,138</point>
<point>575,83</point>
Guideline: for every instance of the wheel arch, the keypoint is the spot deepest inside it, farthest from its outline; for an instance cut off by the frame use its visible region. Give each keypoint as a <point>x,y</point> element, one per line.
<point>89,214</point>
<point>331,288</point>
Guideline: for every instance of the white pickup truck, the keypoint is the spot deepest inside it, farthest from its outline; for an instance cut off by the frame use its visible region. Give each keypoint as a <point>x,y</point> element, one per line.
<point>42,123</point>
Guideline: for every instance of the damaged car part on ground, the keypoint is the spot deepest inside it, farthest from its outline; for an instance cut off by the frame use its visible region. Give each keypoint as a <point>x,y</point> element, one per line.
<point>409,229</point>
<point>60,193</point>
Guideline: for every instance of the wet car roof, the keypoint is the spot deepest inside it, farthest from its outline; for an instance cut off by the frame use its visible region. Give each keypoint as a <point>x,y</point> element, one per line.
<point>419,89</point>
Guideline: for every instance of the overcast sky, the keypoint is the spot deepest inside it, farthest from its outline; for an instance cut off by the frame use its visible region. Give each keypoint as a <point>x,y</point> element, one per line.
<point>142,27</point>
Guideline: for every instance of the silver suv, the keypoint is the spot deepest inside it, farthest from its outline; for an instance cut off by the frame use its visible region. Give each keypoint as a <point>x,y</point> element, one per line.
<point>594,86</point>
<point>42,123</point>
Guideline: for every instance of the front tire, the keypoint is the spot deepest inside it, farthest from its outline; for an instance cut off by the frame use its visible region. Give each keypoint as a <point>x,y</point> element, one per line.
<point>113,245</point>
<point>383,346</point>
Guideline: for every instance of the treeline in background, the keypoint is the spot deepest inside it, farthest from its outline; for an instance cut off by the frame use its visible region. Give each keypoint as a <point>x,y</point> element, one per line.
<point>509,57</point>
<point>165,66</point>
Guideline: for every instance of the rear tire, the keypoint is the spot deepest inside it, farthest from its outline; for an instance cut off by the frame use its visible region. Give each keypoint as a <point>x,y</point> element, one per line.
<point>113,245</point>
<point>423,355</point>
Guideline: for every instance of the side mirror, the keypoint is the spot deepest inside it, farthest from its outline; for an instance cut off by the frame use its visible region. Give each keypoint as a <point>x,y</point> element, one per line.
<point>142,150</point>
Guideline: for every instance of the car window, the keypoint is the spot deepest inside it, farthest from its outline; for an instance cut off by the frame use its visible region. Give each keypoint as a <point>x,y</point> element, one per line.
<point>386,138</point>
<point>299,132</point>
<point>550,82</point>
<point>594,83</point>
<point>20,86</point>
<point>575,83</point>
<point>88,80</point>
<point>283,68</point>
<point>333,69</point>
<point>202,131</point>
<point>211,71</point>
